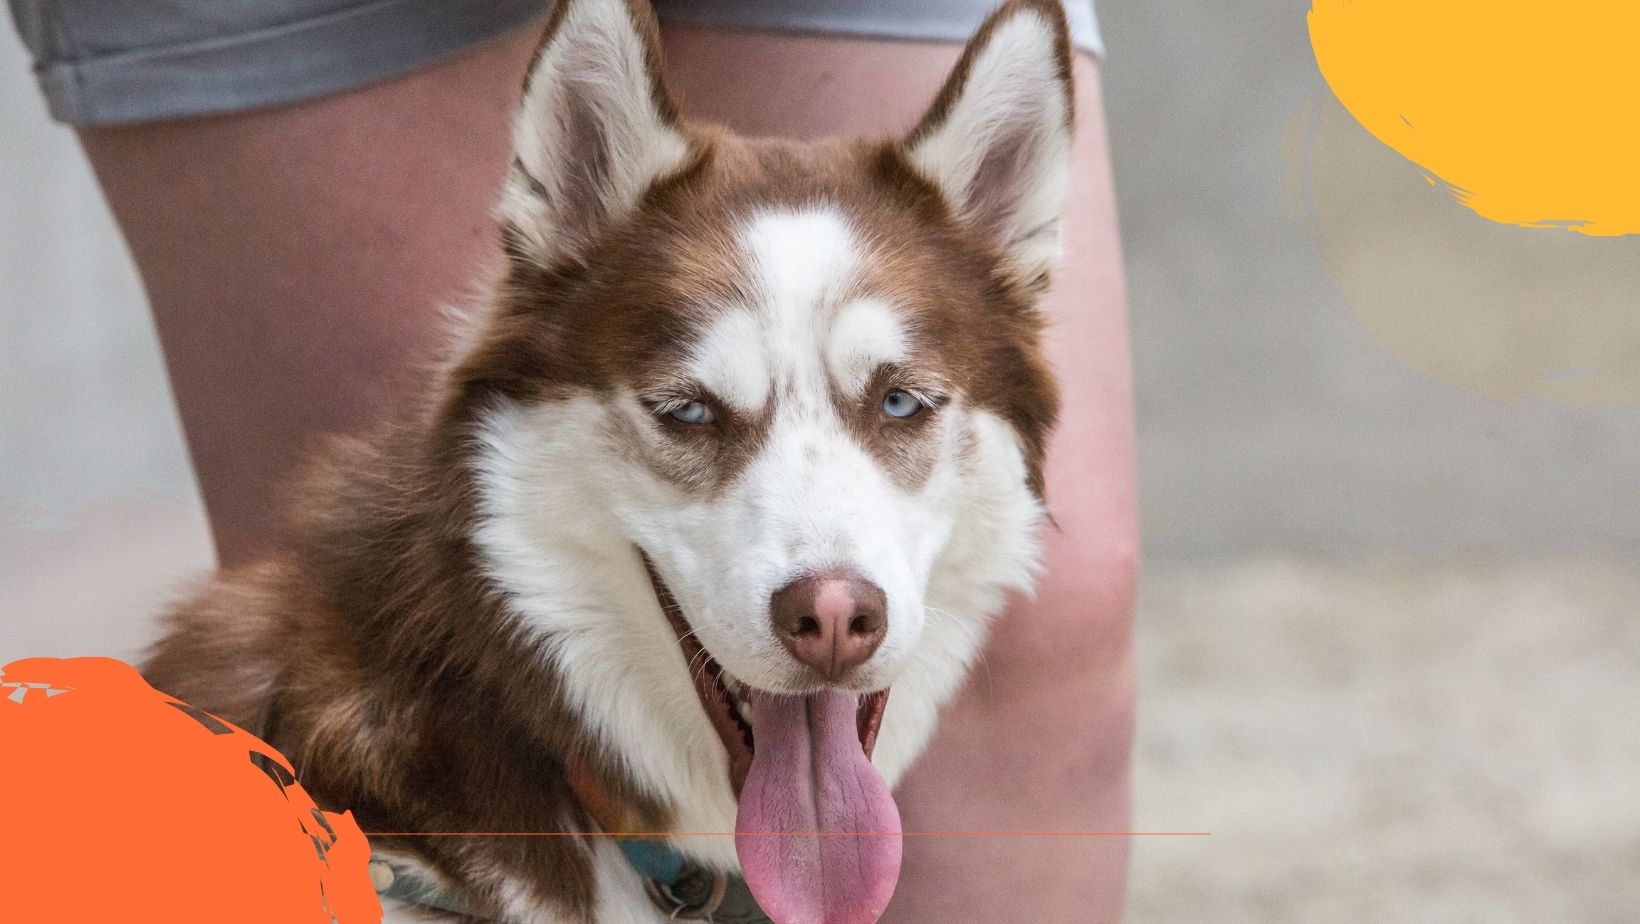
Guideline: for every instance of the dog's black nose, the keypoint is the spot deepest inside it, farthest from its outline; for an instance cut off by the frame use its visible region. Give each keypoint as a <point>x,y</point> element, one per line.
<point>832,621</point>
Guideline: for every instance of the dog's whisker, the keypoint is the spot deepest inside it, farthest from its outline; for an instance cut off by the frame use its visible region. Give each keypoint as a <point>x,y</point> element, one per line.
<point>697,665</point>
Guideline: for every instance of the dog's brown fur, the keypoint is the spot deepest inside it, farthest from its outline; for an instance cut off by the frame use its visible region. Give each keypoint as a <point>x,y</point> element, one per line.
<point>374,653</point>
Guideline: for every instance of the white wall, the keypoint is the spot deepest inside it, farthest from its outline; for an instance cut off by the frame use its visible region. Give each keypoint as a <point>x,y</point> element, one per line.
<point>99,517</point>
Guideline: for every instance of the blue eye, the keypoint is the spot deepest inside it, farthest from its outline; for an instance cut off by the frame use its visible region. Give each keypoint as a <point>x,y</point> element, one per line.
<point>901,404</point>
<point>695,412</point>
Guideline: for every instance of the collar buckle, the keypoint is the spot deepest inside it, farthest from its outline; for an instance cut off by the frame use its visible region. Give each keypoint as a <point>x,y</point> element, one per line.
<point>693,896</point>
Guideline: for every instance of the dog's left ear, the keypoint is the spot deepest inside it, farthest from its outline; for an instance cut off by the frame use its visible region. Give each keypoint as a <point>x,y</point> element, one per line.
<point>997,140</point>
<point>595,131</point>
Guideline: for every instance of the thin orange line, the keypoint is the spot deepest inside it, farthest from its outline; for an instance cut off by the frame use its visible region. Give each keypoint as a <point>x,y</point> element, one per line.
<point>666,834</point>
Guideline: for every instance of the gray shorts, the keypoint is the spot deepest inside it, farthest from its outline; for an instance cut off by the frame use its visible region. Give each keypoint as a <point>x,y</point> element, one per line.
<point>102,63</point>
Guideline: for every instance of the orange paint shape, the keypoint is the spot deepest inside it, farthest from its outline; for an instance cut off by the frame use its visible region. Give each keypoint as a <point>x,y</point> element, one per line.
<point>1524,111</point>
<point>122,805</point>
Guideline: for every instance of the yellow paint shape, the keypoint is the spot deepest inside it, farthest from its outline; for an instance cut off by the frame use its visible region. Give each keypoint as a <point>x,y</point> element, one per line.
<point>1496,309</point>
<point>1528,112</point>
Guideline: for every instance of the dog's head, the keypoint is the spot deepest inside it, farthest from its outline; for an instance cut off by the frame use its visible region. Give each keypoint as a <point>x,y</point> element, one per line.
<point>803,381</point>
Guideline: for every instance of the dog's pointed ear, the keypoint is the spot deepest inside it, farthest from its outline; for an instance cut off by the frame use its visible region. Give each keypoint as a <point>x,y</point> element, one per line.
<point>596,129</point>
<point>997,141</point>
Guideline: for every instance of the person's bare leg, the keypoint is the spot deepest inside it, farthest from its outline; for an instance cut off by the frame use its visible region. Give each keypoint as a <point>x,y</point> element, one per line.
<point>295,258</point>
<point>1041,737</point>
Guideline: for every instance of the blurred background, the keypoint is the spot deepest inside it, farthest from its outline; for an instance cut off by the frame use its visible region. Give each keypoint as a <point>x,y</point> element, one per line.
<point>1390,488</point>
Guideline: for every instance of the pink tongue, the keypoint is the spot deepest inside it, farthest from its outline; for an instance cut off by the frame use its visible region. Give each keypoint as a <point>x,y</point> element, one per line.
<point>810,780</point>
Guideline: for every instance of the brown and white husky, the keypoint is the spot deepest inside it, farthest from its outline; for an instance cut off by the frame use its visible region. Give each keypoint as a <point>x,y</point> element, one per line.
<point>749,437</point>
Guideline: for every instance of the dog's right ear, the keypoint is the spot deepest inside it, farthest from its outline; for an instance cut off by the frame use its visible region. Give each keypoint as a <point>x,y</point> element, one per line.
<point>596,129</point>
<point>997,141</point>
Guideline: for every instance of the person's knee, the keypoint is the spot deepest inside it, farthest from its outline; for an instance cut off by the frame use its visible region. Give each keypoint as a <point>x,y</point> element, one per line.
<point>1078,625</point>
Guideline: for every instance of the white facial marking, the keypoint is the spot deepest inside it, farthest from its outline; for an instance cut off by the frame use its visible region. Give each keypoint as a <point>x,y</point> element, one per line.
<point>731,361</point>
<point>801,325</point>
<point>812,498</point>
<point>803,263</point>
<point>867,334</point>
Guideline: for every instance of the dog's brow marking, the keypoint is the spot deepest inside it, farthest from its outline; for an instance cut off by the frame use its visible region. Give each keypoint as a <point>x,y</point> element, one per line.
<point>801,264</point>
<point>804,261</point>
<point>731,361</point>
<point>866,334</point>
<point>804,265</point>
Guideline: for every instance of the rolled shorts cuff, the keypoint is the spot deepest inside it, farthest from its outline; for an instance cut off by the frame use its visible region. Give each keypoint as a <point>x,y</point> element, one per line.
<point>352,46</point>
<point>324,54</point>
<point>917,20</point>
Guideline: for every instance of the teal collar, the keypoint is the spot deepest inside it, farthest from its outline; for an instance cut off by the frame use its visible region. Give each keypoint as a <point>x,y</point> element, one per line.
<point>681,889</point>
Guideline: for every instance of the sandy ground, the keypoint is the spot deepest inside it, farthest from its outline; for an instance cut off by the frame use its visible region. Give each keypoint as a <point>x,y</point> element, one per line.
<point>1405,743</point>
<point>1365,743</point>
